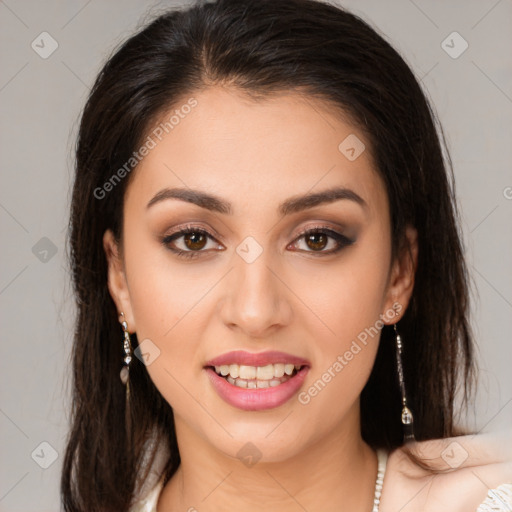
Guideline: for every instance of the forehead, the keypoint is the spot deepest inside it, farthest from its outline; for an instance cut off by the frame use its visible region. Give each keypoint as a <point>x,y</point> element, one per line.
<point>267,150</point>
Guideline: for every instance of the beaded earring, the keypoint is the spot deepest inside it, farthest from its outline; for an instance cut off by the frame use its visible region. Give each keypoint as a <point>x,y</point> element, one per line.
<point>407,417</point>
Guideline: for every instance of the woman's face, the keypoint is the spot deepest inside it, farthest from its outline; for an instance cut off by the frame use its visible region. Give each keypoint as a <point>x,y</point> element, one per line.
<point>254,282</point>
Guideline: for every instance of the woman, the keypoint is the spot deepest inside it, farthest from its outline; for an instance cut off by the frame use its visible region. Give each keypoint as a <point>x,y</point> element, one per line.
<point>264,241</point>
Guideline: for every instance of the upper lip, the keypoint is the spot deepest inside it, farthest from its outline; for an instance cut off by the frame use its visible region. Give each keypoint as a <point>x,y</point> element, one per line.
<point>241,357</point>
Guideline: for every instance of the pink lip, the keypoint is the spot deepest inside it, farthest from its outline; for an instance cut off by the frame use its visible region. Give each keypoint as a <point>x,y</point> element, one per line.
<point>241,357</point>
<point>256,399</point>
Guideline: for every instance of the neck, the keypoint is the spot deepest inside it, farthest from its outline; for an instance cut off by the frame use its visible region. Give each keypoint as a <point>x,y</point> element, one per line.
<point>334,473</point>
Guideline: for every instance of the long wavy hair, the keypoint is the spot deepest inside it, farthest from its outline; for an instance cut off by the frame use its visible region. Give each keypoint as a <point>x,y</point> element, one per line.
<point>260,47</point>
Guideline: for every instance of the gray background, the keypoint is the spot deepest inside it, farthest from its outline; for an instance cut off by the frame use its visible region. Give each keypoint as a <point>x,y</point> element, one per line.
<point>40,101</point>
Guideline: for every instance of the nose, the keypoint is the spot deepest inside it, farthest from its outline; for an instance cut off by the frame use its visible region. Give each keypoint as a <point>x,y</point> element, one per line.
<point>256,299</point>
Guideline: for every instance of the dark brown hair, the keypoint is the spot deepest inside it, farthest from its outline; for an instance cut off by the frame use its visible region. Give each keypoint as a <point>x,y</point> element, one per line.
<point>260,47</point>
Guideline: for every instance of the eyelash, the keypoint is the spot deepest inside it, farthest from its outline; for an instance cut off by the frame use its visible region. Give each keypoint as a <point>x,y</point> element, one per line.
<point>340,239</point>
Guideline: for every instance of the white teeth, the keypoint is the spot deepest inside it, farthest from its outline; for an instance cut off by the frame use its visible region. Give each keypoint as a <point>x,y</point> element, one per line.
<point>247,372</point>
<point>259,384</point>
<point>234,371</point>
<point>257,377</point>
<point>278,370</point>
<point>267,372</point>
<point>253,384</point>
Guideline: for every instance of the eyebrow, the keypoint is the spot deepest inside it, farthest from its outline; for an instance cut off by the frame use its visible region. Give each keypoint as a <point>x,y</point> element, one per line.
<point>292,205</point>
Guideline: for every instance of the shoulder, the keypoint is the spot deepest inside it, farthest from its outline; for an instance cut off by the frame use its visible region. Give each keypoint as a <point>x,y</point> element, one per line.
<point>467,470</point>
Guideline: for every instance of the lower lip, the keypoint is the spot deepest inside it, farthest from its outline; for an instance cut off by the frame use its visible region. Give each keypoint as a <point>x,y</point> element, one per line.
<point>257,399</point>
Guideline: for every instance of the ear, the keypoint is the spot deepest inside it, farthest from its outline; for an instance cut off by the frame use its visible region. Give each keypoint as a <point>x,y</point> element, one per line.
<point>401,279</point>
<point>117,284</point>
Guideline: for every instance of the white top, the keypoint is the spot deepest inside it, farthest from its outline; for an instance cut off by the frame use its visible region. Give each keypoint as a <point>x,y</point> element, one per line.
<point>497,500</point>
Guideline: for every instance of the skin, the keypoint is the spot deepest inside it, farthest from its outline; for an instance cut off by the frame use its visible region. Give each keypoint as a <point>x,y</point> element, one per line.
<point>290,298</point>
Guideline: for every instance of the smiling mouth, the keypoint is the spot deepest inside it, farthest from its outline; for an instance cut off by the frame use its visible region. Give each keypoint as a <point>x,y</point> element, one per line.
<point>257,377</point>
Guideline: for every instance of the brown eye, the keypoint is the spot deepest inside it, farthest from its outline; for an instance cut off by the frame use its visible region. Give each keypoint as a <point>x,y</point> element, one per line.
<point>317,241</point>
<point>189,242</point>
<point>194,241</point>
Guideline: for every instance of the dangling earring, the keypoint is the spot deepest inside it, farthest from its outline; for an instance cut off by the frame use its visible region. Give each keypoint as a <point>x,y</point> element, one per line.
<point>125,370</point>
<point>407,418</point>
<point>127,346</point>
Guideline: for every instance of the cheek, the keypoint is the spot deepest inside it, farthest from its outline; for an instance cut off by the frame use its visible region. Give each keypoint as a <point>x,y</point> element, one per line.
<point>162,292</point>
<point>346,339</point>
<point>169,326</point>
<point>347,299</point>
<point>345,295</point>
<point>167,308</point>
